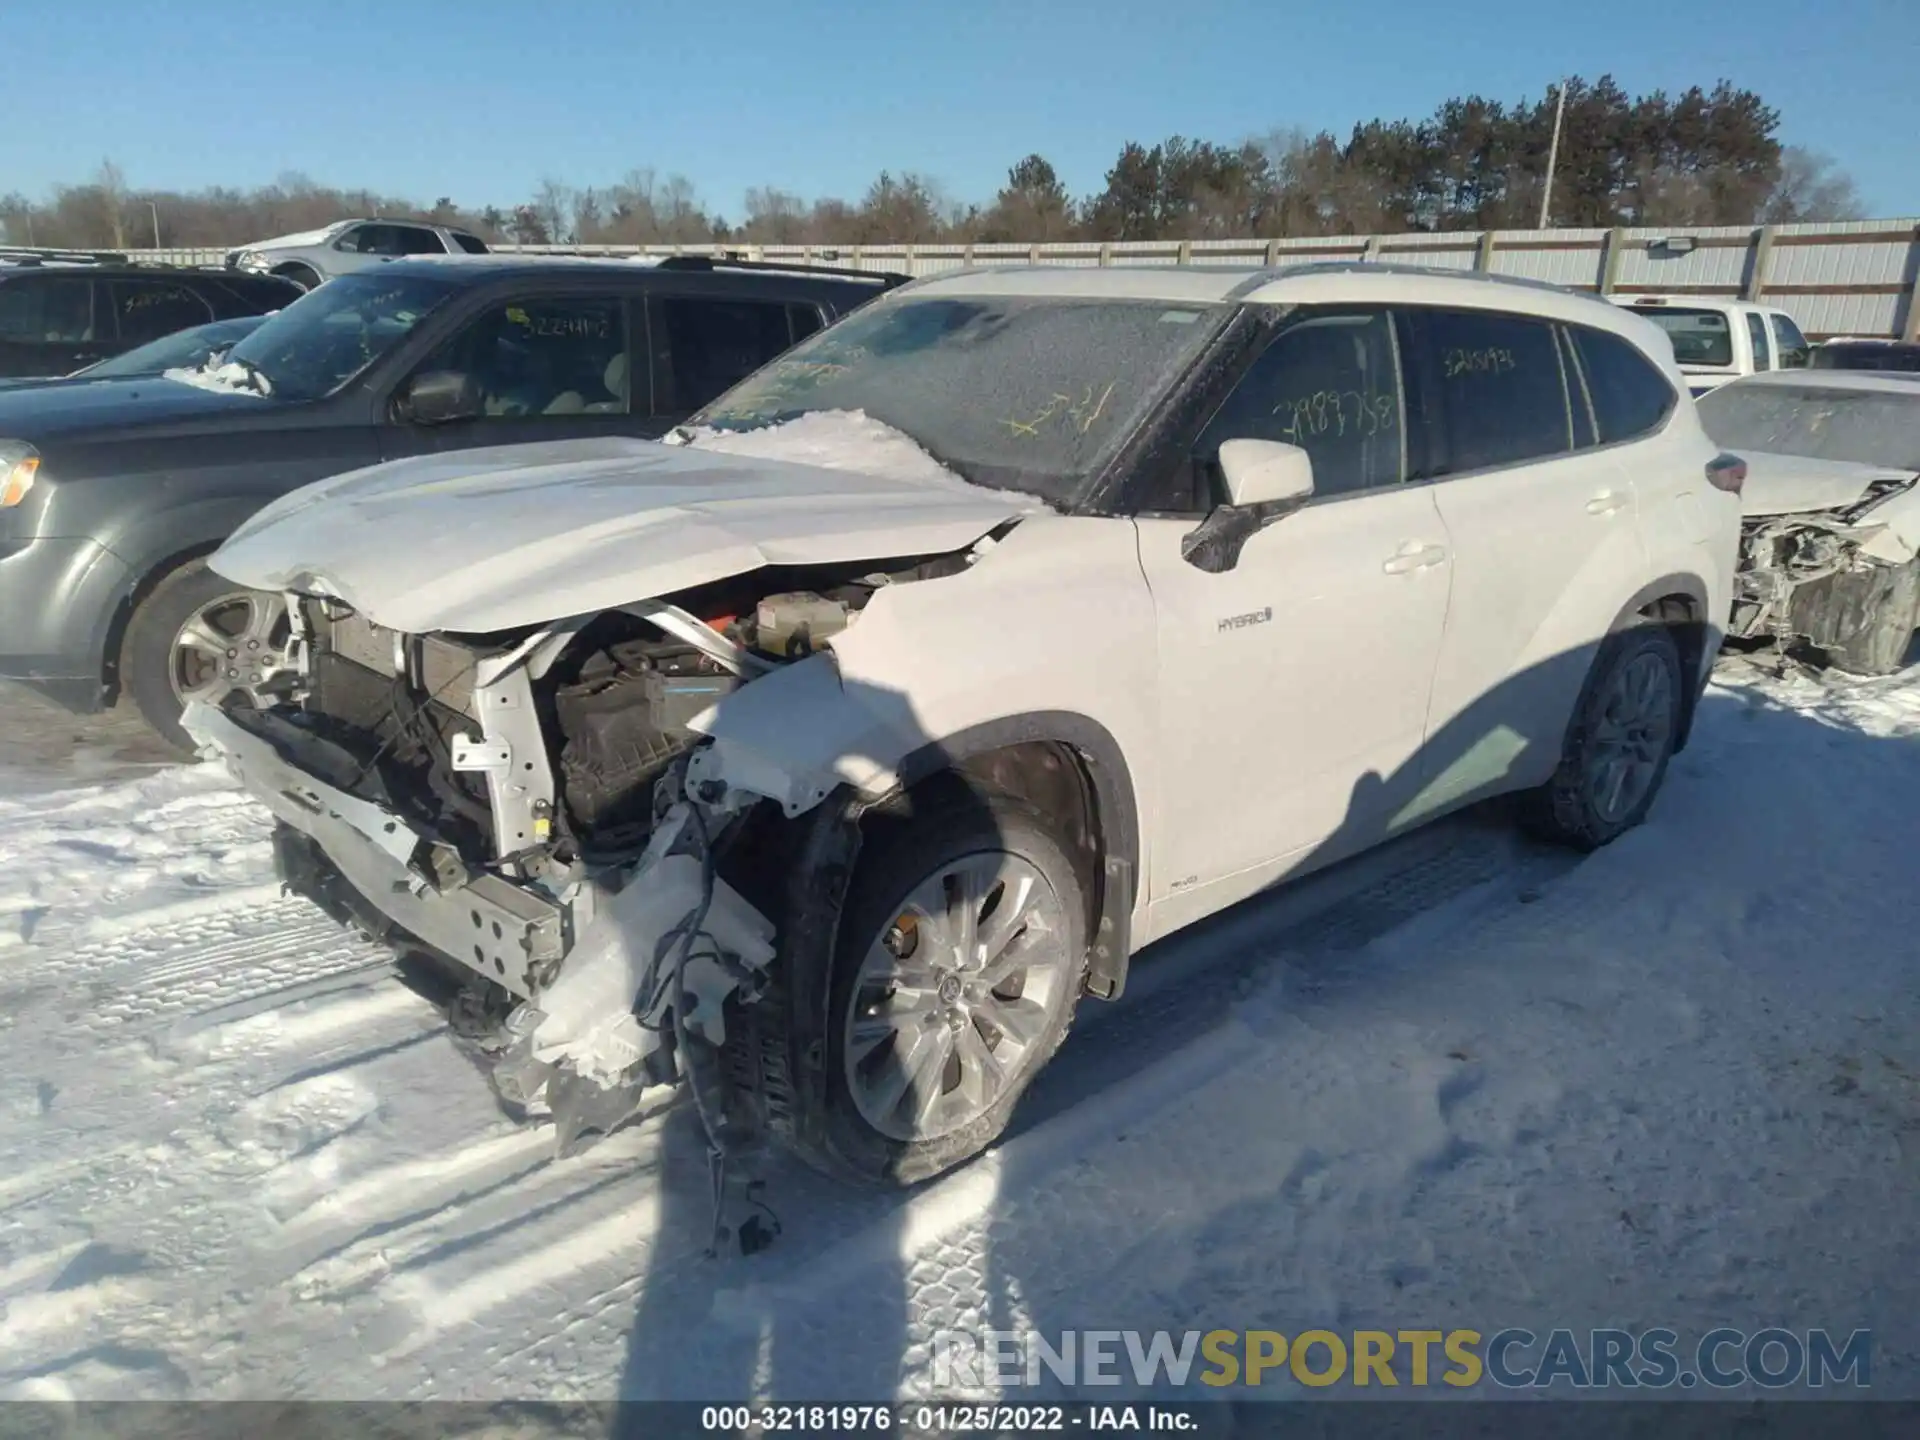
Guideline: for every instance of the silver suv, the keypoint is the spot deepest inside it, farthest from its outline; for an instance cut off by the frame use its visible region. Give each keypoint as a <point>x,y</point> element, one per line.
<point>313,256</point>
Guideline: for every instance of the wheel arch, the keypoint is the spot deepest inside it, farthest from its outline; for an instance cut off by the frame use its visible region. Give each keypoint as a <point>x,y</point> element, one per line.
<point>1070,768</point>
<point>294,269</point>
<point>182,536</point>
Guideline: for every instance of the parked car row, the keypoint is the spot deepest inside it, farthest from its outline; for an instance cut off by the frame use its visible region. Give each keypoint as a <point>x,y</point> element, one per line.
<point>810,685</point>
<point>60,313</point>
<point>1715,341</point>
<point>105,583</point>
<point>312,257</point>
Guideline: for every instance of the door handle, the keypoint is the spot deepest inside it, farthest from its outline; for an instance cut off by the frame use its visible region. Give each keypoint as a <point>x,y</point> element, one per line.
<point>1413,556</point>
<point>1605,503</point>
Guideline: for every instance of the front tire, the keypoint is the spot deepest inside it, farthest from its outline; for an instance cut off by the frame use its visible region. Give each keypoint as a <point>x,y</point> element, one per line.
<point>304,276</point>
<point>960,957</point>
<point>199,636</point>
<point>1619,744</point>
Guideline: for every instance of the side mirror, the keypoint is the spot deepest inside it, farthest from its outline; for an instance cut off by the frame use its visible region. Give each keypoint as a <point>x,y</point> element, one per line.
<point>438,396</point>
<point>1265,481</point>
<point>1262,472</point>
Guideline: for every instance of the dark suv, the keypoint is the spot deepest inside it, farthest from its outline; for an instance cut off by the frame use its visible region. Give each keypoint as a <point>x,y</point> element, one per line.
<point>112,494</point>
<point>61,311</point>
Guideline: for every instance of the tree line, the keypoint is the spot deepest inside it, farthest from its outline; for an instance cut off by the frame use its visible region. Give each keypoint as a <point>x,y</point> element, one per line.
<point>1702,157</point>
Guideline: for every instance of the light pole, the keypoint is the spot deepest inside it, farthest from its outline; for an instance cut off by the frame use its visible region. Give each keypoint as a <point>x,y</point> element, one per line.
<point>1553,154</point>
<point>154,210</point>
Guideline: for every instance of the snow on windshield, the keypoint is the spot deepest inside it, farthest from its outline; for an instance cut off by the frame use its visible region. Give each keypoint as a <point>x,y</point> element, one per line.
<point>835,440</point>
<point>1867,427</point>
<point>1034,394</point>
<point>224,379</point>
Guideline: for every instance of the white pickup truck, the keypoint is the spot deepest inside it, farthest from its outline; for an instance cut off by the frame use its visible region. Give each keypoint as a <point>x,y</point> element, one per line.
<point>1720,340</point>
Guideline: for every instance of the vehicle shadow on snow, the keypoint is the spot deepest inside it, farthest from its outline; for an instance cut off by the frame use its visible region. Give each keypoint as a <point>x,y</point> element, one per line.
<point>842,1306</point>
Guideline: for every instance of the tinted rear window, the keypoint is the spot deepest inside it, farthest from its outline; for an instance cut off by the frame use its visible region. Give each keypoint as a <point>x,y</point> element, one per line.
<point>1630,395</point>
<point>1700,337</point>
<point>1867,357</point>
<point>254,294</point>
<point>1500,381</point>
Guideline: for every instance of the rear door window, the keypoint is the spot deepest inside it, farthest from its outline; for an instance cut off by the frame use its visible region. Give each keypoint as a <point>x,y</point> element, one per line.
<point>1700,337</point>
<point>418,240</point>
<point>1504,396</point>
<point>47,309</point>
<point>148,309</point>
<point>1630,395</point>
<point>373,240</point>
<point>703,347</point>
<point>1757,336</point>
<point>806,320</point>
<point>1795,352</point>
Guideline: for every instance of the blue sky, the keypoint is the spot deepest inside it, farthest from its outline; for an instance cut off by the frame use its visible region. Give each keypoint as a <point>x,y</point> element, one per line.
<point>481,99</point>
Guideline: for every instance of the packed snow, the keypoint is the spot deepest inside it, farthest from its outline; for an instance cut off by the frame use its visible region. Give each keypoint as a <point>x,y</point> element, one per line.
<point>1462,1081</point>
<point>835,440</point>
<point>229,378</point>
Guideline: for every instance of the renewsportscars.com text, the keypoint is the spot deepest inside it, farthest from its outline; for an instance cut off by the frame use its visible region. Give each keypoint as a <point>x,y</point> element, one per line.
<point>1654,1359</point>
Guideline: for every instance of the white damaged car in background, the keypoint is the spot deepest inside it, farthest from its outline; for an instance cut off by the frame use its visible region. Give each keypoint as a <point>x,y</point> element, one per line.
<point>824,756</point>
<point>1831,551</point>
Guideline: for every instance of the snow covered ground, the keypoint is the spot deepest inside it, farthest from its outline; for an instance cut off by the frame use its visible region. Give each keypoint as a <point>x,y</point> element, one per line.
<point>1464,1081</point>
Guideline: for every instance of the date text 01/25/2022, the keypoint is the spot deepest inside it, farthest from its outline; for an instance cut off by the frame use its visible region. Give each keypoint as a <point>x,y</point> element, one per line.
<point>942,1419</point>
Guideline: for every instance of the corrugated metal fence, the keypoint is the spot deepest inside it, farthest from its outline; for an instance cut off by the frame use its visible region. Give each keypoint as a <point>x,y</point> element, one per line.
<point>1861,277</point>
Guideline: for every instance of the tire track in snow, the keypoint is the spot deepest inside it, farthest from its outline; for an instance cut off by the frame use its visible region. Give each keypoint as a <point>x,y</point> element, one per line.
<point>486,1240</point>
<point>1180,1010</point>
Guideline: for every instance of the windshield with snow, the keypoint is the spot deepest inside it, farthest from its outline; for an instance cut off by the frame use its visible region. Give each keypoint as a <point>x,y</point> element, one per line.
<point>1027,394</point>
<point>1868,427</point>
<point>183,347</point>
<point>325,338</point>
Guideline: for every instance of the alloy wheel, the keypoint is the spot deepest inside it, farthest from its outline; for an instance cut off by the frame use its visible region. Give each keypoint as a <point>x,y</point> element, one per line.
<point>236,644</point>
<point>1630,739</point>
<point>956,995</point>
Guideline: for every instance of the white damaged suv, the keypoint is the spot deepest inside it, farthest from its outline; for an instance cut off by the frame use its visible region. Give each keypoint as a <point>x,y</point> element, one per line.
<point>827,754</point>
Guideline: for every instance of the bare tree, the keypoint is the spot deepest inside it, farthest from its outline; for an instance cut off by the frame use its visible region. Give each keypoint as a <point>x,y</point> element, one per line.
<point>113,200</point>
<point>1811,187</point>
<point>554,205</point>
<point>774,217</point>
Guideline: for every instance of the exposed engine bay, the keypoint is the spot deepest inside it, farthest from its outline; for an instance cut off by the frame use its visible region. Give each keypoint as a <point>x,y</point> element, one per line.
<point>1818,577</point>
<point>612,696</point>
<point>527,810</point>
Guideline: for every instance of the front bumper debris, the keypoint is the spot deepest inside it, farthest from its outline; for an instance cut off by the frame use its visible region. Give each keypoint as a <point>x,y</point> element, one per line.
<point>510,934</point>
<point>620,988</point>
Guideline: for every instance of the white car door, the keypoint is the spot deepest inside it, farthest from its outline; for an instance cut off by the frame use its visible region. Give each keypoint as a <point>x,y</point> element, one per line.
<point>1293,686</point>
<point>1546,540</point>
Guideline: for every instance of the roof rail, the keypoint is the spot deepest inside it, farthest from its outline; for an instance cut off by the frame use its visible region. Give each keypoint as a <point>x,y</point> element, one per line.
<point>886,278</point>
<point>40,254</point>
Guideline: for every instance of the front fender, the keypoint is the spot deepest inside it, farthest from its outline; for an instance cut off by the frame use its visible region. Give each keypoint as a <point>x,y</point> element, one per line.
<point>1047,637</point>
<point>800,735</point>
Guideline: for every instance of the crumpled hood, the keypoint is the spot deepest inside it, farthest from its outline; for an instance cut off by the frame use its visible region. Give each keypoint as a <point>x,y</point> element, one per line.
<point>483,540</point>
<point>1795,485</point>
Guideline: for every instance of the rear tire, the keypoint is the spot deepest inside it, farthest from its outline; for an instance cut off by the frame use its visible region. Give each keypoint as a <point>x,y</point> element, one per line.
<point>913,1075</point>
<point>1617,748</point>
<point>1888,613</point>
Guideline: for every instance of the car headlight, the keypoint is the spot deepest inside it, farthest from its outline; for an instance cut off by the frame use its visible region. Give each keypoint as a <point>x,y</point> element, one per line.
<point>250,260</point>
<point>19,463</point>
